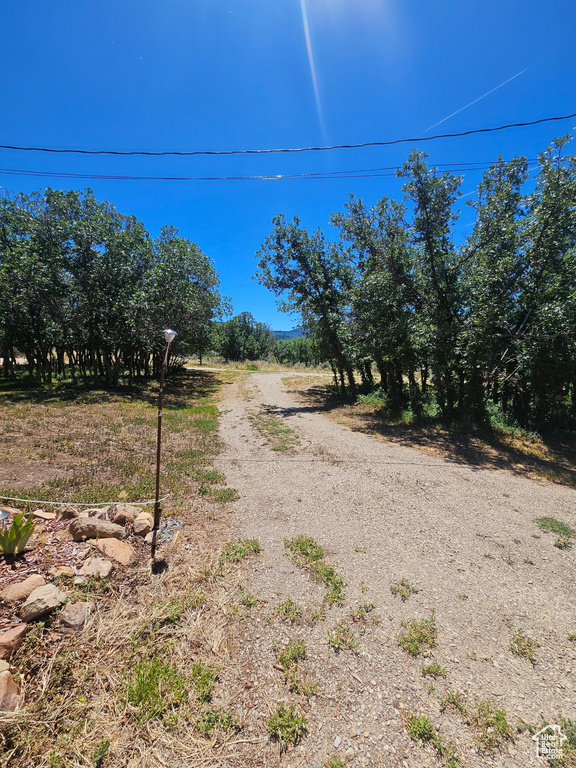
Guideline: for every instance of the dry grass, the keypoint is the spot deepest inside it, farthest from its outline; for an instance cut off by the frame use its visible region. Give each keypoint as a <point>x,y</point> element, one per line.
<point>152,678</point>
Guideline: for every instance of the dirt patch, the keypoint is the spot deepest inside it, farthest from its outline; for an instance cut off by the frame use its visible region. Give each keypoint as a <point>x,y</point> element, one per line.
<point>462,534</point>
<point>27,473</point>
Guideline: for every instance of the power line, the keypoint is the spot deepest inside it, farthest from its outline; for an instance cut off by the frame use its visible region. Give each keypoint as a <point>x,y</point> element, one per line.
<point>293,149</point>
<point>365,173</point>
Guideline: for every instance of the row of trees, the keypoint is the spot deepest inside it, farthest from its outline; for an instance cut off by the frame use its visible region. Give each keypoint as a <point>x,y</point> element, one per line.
<point>84,286</point>
<point>464,323</point>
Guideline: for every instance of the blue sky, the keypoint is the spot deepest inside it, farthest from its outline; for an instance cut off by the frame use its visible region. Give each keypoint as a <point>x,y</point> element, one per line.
<point>253,74</point>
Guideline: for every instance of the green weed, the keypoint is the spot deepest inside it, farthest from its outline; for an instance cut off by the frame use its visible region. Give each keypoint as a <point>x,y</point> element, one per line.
<point>308,553</point>
<point>292,654</point>
<point>335,762</point>
<point>491,725</point>
<point>203,679</point>
<point>523,646</point>
<point>238,550</point>
<point>100,752</point>
<point>551,525</point>
<point>288,610</point>
<point>286,726</point>
<point>216,719</point>
<point>403,589</point>
<point>420,728</point>
<point>341,638</point>
<point>433,670</point>
<point>419,636</point>
<point>153,687</point>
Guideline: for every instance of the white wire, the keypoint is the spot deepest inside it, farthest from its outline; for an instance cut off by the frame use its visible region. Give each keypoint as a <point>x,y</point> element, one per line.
<point>76,504</point>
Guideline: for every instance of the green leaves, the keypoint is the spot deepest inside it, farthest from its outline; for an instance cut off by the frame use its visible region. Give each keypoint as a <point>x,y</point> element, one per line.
<point>14,539</point>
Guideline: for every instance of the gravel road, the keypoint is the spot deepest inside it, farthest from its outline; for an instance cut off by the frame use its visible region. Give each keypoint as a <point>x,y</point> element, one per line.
<point>465,536</point>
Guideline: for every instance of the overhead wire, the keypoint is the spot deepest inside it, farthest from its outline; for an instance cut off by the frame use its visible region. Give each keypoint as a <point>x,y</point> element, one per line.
<point>195,152</point>
<point>364,173</point>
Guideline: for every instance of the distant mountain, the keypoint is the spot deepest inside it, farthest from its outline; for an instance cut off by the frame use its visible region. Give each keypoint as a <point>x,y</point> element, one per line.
<point>293,334</point>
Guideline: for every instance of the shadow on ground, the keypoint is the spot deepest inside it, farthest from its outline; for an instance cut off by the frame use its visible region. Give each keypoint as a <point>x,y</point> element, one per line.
<point>552,457</point>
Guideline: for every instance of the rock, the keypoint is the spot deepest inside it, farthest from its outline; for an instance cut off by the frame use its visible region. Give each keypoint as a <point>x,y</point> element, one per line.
<point>44,515</point>
<point>120,551</point>
<point>93,528</point>
<point>67,513</point>
<point>11,640</point>
<point>125,513</point>
<point>11,510</point>
<point>61,570</point>
<point>74,615</point>
<point>9,696</point>
<point>4,665</point>
<point>42,601</point>
<point>143,524</point>
<point>95,566</point>
<point>79,580</point>
<point>99,512</point>
<point>337,741</point>
<point>149,536</point>
<point>22,589</point>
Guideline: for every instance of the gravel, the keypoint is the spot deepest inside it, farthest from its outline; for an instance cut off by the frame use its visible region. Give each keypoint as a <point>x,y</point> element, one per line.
<point>464,535</point>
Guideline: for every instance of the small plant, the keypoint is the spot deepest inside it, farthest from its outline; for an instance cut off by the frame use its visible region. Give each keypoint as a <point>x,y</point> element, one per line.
<point>155,686</point>
<point>288,610</point>
<point>462,596</point>
<point>491,725</point>
<point>14,539</point>
<point>572,638</point>
<point>523,646</point>
<point>563,542</point>
<point>360,615</point>
<point>247,599</point>
<point>238,550</point>
<point>335,762</point>
<point>214,719</point>
<point>453,699</point>
<point>551,525</point>
<point>341,638</point>
<point>420,728</point>
<point>319,615</point>
<point>433,670</point>
<point>358,548</point>
<point>203,678</point>
<point>291,655</point>
<point>306,547</point>
<point>100,752</point>
<point>286,726</point>
<point>419,636</point>
<point>308,553</point>
<point>403,589</point>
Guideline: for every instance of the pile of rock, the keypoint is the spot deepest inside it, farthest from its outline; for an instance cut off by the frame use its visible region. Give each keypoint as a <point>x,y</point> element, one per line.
<point>103,530</point>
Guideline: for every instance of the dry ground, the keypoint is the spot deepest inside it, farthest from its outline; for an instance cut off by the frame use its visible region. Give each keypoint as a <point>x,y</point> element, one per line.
<point>462,533</point>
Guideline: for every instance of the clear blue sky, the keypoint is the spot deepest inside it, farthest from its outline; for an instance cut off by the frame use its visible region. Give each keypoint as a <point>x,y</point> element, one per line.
<point>240,74</point>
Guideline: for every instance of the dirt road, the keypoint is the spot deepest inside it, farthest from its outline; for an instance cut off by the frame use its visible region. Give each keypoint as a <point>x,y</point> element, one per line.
<point>465,537</point>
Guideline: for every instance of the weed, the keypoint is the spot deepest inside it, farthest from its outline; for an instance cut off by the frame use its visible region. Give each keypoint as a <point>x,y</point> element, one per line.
<point>155,686</point>
<point>100,753</point>
<point>212,476</point>
<point>307,552</point>
<point>454,699</point>
<point>283,437</point>
<point>551,525</point>
<point>335,762</point>
<point>523,646</point>
<point>248,600</point>
<point>363,587</point>
<point>563,542</point>
<point>203,678</point>
<point>238,550</point>
<point>462,596</point>
<point>420,728</point>
<point>420,634</point>
<point>288,610</point>
<point>572,638</point>
<point>341,638</point>
<point>286,726</point>
<point>214,719</point>
<point>358,548</point>
<point>491,725</point>
<point>433,670</point>
<point>403,589</point>
<point>224,494</point>
<point>319,615</point>
<point>292,654</point>
<point>306,547</point>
